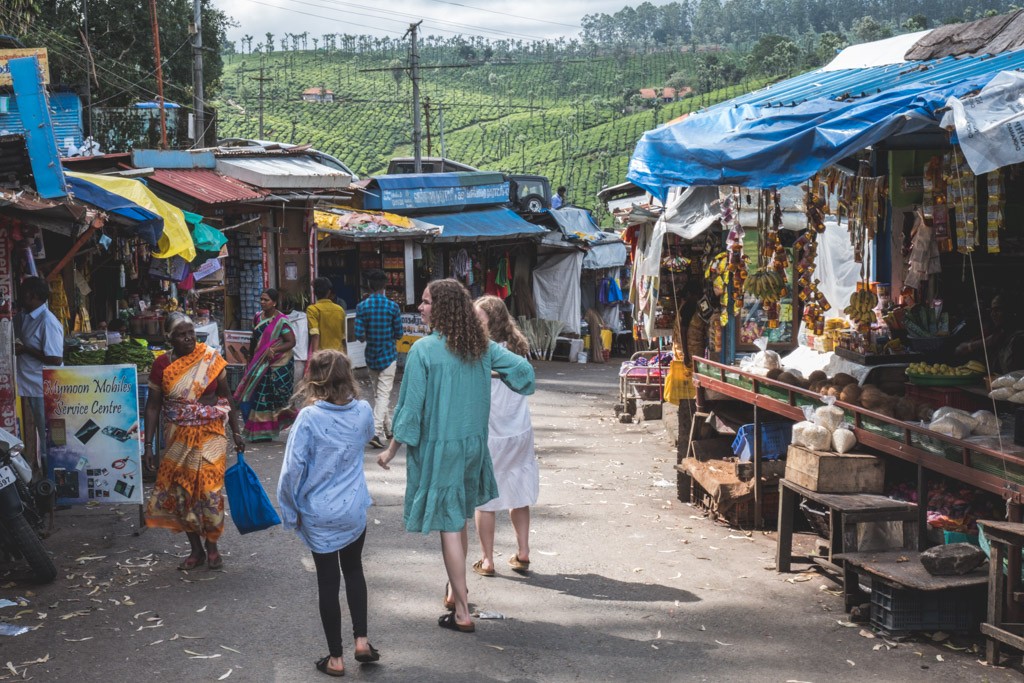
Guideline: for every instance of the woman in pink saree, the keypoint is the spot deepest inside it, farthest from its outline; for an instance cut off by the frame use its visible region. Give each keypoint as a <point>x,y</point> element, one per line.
<point>267,384</point>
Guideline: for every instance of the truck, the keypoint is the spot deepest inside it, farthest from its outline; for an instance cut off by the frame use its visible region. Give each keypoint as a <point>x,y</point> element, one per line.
<point>528,194</point>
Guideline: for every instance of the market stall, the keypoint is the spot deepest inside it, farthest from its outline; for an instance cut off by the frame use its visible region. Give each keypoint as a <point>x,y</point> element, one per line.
<point>886,321</point>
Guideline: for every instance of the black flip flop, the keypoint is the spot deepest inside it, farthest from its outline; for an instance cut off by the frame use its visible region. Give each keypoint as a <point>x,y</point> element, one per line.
<point>321,666</point>
<point>368,657</point>
<point>447,620</point>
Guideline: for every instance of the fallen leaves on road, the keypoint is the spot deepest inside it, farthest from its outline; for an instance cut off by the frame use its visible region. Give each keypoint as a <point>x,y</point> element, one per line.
<point>225,674</point>
<point>864,633</point>
<point>231,649</point>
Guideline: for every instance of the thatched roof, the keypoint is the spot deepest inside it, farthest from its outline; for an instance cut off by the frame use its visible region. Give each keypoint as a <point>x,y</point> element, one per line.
<point>991,35</point>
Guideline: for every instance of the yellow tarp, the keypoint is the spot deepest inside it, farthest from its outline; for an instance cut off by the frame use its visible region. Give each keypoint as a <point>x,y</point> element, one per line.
<point>357,220</point>
<point>176,240</point>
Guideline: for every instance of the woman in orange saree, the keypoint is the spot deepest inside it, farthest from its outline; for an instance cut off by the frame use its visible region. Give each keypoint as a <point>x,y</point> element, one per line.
<point>188,386</point>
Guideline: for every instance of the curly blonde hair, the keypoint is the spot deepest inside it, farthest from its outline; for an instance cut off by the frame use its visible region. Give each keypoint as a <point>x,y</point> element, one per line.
<point>452,314</point>
<point>500,325</point>
<point>329,378</point>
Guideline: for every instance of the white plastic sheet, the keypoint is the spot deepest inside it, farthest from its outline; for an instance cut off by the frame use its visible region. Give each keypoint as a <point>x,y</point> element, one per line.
<point>837,271</point>
<point>556,289</point>
<point>990,125</point>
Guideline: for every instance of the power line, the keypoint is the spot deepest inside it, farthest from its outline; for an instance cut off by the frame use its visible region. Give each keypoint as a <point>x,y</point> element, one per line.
<point>74,50</point>
<point>505,14</point>
<point>405,16</point>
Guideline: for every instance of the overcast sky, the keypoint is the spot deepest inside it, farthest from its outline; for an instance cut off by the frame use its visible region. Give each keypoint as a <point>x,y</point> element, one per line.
<point>495,19</point>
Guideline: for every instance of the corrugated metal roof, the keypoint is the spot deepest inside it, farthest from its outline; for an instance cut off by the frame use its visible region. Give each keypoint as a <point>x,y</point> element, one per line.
<point>206,186</point>
<point>282,172</point>
<point>65,113</point>
<point>855,83</point>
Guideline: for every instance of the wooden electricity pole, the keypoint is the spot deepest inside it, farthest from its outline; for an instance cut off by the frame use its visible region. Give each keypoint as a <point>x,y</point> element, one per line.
<point>159,76</point>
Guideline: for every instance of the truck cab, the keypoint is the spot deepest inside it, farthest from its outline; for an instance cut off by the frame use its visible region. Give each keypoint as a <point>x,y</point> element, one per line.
<point>529,193</point>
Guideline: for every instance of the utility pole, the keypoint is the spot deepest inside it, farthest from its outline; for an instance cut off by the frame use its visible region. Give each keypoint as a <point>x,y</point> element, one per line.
<point>426,113</point>
<point>440,125</point>
<point>159,76</point>
<point>262,80</point>
<point>89,69</point>
<point>414,76</point>
<point>198,105</point>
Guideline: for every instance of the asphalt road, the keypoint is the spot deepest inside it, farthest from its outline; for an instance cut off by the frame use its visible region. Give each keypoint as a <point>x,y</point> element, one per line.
<point>627,584</point>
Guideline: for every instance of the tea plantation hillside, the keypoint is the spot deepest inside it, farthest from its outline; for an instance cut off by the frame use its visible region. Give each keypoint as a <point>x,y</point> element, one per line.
<point>573,119</point>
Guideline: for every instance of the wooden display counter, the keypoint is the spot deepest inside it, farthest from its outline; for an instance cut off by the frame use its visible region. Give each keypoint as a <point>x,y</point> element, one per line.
<point>978,463</point>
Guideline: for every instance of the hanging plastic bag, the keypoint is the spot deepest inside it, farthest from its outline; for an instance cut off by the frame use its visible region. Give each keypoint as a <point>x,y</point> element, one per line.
<point>679,383</point>
<point>250,506</point>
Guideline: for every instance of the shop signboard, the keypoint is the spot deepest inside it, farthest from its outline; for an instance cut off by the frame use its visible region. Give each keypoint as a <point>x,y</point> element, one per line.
<point>8,412</point>
<point>13,53</point>
<point>93,433</point>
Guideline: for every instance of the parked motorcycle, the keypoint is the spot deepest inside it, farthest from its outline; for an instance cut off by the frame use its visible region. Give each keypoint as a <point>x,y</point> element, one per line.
<point>20,520</point>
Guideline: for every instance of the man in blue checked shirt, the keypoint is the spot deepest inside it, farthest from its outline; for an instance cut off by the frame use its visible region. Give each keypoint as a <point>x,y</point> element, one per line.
<point>379,324</point>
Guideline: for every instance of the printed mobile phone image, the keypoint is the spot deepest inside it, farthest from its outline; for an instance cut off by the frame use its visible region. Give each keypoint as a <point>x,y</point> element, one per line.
<point>87,431</point>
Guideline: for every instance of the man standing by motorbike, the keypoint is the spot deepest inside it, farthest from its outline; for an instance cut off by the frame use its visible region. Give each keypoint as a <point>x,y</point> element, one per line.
<point>39,341</point>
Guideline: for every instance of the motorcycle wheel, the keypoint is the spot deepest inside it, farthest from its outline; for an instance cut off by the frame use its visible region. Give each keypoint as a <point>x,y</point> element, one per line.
<point>27,542</point>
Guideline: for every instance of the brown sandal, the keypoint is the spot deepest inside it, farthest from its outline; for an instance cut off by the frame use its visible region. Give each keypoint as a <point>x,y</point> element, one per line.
<point>518,565</point>
<point>478,567</point>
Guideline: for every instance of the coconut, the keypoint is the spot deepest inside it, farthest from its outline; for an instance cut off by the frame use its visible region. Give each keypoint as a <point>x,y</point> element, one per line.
<point>833,391</point>
<point>872,398</point>
<point>841,379</point>
<point>906,409</point>
<point>850,394</point>
<point>817,376</point>
<point>774,373</point>
<point>816,387</point>
<point>788,378</point>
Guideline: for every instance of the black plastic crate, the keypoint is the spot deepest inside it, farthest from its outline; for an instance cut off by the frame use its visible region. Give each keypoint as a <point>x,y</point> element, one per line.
<point>902,610</point>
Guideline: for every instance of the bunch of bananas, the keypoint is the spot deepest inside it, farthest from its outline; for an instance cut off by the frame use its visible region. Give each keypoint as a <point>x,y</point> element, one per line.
<point>767,284</point>
<point>942,370</point>
<point>862,305</point>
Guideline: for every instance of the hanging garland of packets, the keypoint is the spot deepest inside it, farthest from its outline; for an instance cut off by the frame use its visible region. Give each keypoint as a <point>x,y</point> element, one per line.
<point>815,303</point>
<point>768,284</point>
<point>728,270</point>
<point>960,196</point>
<point>996,202</point>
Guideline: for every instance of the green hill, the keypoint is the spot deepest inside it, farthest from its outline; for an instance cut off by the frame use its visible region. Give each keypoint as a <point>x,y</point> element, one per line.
<point>574,119</point>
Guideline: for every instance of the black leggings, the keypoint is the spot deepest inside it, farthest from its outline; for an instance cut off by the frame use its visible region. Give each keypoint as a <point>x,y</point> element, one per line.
<point>349,560</point>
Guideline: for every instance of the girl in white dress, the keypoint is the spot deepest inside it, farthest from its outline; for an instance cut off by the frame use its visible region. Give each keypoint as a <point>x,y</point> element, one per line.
<point>510,441</point>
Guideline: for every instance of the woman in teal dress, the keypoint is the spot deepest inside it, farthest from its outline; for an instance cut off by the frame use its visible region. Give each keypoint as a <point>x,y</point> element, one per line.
<point>442,415</point>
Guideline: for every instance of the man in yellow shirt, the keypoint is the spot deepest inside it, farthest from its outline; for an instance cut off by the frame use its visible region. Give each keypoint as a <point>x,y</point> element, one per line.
<point>326,319</point>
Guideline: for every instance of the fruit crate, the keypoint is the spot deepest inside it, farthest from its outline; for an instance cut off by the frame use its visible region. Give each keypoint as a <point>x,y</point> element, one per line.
<point>953,397</point>
<point>896,610</point>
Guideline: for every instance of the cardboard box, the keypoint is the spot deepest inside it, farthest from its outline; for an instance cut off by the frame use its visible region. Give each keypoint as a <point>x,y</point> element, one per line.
<point>827,472</point>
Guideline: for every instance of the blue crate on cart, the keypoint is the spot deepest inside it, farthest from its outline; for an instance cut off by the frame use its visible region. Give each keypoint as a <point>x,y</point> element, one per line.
<point>775,438</point>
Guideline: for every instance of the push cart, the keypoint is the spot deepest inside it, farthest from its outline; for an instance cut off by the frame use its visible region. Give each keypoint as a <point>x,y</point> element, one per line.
<point>641,383</point>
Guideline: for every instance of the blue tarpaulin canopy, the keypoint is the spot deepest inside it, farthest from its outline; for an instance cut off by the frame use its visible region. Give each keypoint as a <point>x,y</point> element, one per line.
<point>604,249</point>
<point>425,191</point>
<point>497,223</point>
<point>778,136</point>
<point>149,226</point>
<point>768,148</point>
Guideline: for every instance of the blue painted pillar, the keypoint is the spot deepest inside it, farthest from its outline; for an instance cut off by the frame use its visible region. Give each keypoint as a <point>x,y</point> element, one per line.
<point>34,107</point>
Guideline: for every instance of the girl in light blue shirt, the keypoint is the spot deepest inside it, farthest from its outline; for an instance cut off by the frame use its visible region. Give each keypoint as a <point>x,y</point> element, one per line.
<point>323,496</point>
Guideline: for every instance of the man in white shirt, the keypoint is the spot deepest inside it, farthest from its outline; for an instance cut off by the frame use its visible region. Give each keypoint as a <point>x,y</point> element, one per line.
<point>558,201</point>
<point>38,341</point>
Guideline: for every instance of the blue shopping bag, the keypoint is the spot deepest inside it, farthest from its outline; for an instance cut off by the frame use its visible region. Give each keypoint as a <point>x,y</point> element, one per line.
<point>250,506</point>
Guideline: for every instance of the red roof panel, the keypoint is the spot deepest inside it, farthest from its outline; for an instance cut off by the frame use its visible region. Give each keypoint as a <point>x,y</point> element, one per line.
<point>206,186</point>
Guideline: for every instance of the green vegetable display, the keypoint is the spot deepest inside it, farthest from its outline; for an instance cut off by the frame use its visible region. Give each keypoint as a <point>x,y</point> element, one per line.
<point>97,357</point>
<point>129,353</point>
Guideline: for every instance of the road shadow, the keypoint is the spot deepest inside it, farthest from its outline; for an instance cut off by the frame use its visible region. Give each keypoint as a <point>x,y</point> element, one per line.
<point>597,587</point>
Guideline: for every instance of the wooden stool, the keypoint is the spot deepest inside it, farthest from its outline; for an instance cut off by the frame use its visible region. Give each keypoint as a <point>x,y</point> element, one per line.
<point>846,510</point>
<point>1004,588</point>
